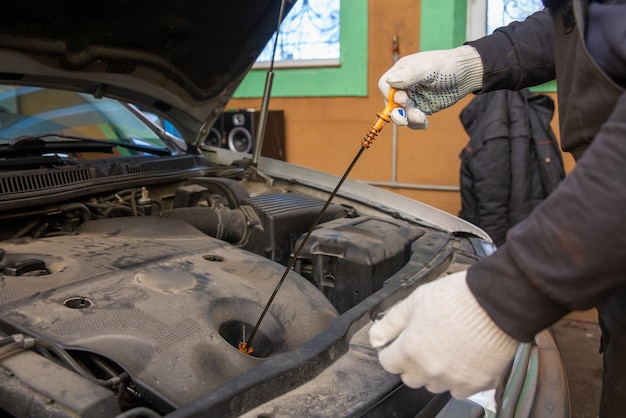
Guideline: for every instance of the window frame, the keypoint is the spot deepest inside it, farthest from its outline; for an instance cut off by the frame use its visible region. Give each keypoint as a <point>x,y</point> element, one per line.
<point>476,26</point>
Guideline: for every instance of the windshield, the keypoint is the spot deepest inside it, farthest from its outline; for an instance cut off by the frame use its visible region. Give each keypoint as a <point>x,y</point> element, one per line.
<point>33,111</point>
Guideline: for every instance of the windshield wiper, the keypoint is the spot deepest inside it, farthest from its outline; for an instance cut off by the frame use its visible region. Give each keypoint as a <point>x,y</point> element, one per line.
<point>37,144</point>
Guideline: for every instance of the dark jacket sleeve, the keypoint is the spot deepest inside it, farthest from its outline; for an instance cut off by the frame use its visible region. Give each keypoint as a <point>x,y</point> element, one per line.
<point>518,55</point>
<point>569,253</point>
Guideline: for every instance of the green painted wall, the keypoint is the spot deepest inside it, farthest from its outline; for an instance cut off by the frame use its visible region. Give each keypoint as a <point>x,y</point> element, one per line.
<point>443,24</point>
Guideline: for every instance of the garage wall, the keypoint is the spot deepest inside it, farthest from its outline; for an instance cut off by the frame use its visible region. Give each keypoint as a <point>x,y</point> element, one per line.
<point>325,132</point>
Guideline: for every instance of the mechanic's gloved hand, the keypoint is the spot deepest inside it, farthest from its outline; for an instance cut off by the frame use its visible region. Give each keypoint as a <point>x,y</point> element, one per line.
<point>430,81</point>
<point>440,337</point>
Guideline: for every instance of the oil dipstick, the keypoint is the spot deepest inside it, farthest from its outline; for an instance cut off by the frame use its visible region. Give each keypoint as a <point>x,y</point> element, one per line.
<point>383,118</point>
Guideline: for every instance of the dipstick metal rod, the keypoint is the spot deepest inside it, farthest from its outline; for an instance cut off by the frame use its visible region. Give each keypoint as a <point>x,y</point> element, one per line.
<point>377,126</point>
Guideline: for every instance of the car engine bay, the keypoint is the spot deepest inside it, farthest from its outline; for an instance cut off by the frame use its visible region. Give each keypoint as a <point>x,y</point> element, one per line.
<point>147,289</point>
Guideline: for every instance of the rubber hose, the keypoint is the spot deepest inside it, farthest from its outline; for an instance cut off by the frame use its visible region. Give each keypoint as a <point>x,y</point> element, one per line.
<point>6,340</point>
<point>9,348</point>
<point>225,224</point>
<point>85,214</point>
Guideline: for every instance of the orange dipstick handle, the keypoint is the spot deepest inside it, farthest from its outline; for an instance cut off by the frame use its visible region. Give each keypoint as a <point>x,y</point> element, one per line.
<point>383,118</point>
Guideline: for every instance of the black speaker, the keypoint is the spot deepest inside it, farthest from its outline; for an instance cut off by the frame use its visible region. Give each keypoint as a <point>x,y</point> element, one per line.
<point>239,129</point>
<point>216,136</point>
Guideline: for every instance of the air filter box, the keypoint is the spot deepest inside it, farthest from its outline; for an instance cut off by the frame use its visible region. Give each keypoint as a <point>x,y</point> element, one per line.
<point>350,258</point>
<point>283,218</point>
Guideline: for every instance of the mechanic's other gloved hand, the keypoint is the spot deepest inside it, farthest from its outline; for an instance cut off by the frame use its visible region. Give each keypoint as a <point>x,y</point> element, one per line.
<point>440,337</point>
<point>430,81</point>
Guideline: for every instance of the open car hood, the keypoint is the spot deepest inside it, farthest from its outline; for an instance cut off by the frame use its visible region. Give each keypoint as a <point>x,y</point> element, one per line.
<point>180,59</point>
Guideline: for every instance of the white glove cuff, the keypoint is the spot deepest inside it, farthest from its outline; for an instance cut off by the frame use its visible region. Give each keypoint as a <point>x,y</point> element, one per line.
<point>470,67</point>
<point>484,348</point>
<point>468,314</point>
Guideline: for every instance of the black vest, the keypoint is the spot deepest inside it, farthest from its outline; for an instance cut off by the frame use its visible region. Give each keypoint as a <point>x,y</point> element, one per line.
<point>586,95</point>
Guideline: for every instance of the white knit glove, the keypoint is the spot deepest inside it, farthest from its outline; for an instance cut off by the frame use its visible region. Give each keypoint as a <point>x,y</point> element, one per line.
<point>430,81</point>
<point>440,337</point>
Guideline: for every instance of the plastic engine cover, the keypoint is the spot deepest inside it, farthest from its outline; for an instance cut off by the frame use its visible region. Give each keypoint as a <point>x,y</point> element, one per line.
<point>349,259</point>
<point>162,300</point>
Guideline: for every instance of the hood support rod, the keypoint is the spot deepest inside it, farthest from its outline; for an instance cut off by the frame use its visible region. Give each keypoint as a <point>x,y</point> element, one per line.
<point>267,92</point>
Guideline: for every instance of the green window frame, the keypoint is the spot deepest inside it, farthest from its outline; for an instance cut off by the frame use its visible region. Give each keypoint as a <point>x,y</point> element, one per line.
<point>347,79</point>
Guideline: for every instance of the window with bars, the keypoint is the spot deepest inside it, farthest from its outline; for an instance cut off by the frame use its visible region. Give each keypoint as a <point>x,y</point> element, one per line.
<point>345,75</point>
<point>308,36</point>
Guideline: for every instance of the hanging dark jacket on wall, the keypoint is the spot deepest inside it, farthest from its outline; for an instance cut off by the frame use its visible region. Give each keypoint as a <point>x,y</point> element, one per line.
<point>512,161</point>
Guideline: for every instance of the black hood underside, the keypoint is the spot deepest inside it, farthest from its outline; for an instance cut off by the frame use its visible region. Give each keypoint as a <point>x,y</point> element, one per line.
<point>181,58</point>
